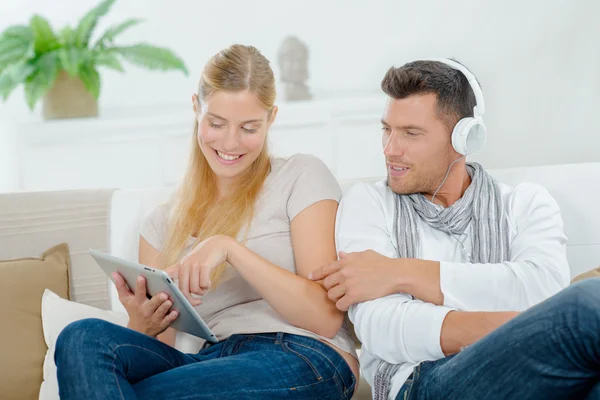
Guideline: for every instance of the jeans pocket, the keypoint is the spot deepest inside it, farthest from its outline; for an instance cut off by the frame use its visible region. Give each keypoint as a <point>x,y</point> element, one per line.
<point>288,349</point>
<point>349,392</point>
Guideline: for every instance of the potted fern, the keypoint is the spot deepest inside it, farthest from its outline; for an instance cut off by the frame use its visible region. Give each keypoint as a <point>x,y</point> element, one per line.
<point>62,67</point>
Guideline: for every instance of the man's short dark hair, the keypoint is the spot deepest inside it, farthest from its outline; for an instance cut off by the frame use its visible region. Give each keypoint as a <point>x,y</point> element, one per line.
<point>455,98</point>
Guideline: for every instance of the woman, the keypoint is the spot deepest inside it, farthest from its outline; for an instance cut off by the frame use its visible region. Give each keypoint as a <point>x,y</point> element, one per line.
<point>242,234</point>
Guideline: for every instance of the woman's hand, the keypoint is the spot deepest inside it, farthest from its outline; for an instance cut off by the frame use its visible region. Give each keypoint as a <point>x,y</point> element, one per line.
<point>194,270</point>
<point>148,316</point>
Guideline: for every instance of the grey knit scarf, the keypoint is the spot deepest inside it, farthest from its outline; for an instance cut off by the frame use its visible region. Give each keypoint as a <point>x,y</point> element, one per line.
<point>480,206</point>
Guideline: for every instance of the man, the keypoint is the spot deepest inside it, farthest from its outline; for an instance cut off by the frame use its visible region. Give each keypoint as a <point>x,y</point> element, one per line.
<point>439,263</point>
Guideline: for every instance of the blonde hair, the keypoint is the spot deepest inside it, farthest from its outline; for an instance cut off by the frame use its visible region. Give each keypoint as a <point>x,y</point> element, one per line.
<point>195,210</point>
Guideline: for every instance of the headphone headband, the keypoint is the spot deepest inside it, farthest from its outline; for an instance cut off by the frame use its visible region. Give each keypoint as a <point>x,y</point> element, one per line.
<point>479,109</point>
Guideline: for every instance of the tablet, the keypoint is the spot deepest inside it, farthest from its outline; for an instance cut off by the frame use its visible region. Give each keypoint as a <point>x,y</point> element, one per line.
<point>157,281</point>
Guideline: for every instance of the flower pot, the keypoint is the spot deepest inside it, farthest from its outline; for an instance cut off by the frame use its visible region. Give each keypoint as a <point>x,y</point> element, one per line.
<point>68,98</point>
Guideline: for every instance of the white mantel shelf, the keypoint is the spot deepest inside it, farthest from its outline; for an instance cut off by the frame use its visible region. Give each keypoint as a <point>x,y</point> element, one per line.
<point>148,147</point>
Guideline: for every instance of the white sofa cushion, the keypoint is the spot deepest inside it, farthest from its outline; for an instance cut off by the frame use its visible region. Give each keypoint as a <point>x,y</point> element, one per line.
<point>129,208</point>
<point>57,313</point>
<point>576,189</point>
<point>32,222</point>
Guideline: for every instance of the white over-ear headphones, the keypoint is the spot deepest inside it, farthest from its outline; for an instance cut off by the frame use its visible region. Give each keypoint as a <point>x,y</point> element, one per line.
<point>469,134</point>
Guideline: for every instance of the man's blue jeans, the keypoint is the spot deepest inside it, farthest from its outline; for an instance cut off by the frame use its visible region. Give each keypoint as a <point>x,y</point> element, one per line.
<point>99,360</point>
<point>551,351</point>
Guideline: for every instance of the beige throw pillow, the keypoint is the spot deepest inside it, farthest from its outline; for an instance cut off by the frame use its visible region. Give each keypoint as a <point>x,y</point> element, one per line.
<point>22,346</point>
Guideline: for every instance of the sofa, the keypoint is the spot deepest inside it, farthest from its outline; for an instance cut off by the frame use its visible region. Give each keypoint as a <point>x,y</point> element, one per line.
<point>109,220</point>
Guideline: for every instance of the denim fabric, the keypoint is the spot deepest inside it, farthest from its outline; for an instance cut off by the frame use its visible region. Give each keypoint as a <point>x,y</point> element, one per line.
<point>551,351</point>
<point>99,360</point>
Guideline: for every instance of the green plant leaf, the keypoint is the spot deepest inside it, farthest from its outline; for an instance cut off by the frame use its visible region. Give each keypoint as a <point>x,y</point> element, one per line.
<point>71,59</point>
<point>38,83</point>
<point>13,49</point>
<point>152,57</point>
<point>34,89</point>
<point>110,60</point>
<point>91,79</point>
<point>16,42</point>
<point>20,71</point>
<point>88,23</point>
<point>13,76</point>
<point>22,32</point>
<point>7,85</point>
<point>109,36</point>
<point>66,37</point>
<point>44,38</point>
<point>48,67</point>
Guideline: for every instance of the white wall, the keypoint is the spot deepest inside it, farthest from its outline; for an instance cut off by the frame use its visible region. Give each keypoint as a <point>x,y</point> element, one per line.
<point>8,159</point>
<point>538,60</point>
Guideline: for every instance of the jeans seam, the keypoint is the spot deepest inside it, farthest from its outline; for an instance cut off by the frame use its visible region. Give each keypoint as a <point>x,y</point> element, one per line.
<point>265,337</point>
<point>192,396</point>
<point>350,391</point>
<point>327,358</point>
<point>287,349</point>
<point>138,347</point>
<point>339,385</point>
<point>346,392</point>
<point>142,348</point>
<point>115,375</point>
<point>222,352</point>
<point>415,377</point>
<point>341,382</point>
<point>310,384</point>
<point>226,346</point>
<point>239,345</point>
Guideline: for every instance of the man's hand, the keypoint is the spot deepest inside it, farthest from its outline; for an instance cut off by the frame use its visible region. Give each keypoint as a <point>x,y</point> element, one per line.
<point>358,277</point>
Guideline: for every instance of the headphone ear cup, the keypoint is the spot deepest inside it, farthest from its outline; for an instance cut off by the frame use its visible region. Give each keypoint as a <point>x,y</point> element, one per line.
<point>469,136</point>
<point>459,136</point>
